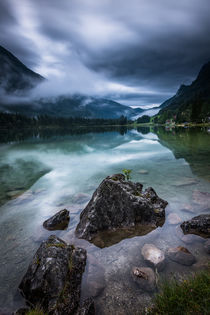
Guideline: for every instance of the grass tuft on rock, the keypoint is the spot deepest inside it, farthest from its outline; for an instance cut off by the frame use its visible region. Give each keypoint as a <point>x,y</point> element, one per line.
<point>36,311</point>
<point>189,297</point>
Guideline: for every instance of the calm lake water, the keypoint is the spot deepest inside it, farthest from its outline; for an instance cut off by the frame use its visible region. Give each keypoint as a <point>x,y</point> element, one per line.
<point>42,173</point>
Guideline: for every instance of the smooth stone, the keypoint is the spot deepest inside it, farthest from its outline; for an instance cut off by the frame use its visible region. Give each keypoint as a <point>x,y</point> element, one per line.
<point>173,218</point>
<point>144,277</point>
<point>58,221</point>
<point>143,172</point>
<point>207,246</point>
<point>181,255</point>
<point>199,225</point>
<point>153,256</point>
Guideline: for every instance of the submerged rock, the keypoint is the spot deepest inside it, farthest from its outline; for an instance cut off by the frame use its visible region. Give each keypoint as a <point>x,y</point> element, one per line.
<point>202,198</point>
<point>153,256</point>
<point>173,218</point>
<point>144,277</point>
<point>118,204</point>
<point>199,225</point>
<point>59,221</point>
<point>185,181</point>
<point>207,246</point>
<point>188,238</point>
<point>94,279</point>
<point>53,279</point>
<point>181,255</point>
<point>143,172</point>
<point>188,208</point>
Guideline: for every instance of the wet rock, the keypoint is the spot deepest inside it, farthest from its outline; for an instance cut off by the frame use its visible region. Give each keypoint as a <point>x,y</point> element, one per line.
<point>199,225</point>
<point>143,172</point>
<point>4,312</point>
<point>153,256</point>
<point>87,308</point>
<point>202,198</point>
<point>59,221</point>
<point>173,218</point>
<point>21,311</point>
<point>144,277</point>
<point>53,279</point>
<point>188,238</point>
<point>118,203</point>
<point>181,255</point>
<point>207,246</point>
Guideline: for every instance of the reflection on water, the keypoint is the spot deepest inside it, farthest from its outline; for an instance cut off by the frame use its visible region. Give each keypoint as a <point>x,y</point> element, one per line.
<point>45,174</point>
<point>109,238</point>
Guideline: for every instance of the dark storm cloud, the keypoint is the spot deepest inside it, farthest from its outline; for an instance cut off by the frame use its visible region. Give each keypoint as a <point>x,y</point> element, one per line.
<point>129,49</point>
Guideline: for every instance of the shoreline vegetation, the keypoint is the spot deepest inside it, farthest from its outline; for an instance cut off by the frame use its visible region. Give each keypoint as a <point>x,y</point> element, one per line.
<point>189,296</point>
<point>18,121</point>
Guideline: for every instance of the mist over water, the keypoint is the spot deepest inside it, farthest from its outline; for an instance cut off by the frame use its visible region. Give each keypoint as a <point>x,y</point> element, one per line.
<point>40,176</point>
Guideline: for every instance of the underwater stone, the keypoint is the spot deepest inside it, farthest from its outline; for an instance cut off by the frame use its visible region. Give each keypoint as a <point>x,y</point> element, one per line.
<point>153,256</point>
<point>181,255</point>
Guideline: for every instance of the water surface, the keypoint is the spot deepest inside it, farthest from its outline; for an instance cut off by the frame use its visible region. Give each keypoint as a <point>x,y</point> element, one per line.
<point>41,174</point>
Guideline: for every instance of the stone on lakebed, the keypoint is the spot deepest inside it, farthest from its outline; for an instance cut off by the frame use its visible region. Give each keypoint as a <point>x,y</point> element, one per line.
<point>153,256</point>
<point>181,255</point>
<point>144,277</point>
<point>173,218</point>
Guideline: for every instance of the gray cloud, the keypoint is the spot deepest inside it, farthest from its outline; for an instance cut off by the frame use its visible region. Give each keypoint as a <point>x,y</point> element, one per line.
<point>136,51</point>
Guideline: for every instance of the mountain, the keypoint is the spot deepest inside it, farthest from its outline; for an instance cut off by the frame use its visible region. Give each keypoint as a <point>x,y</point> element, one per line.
<point>14,75</point>
<point>73,106</point>
<point>16,78</point>
<point>191,102</point>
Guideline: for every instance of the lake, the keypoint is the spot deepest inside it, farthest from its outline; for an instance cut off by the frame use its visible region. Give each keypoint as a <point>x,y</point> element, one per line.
<point>46,171</point>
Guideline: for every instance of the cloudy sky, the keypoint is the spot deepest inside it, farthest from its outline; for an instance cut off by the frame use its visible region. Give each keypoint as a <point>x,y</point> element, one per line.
<point>137,52</point>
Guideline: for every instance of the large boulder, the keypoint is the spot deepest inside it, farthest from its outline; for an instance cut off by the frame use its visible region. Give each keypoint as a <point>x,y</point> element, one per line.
<point>58,221</point>
<point>199,225</point>
<point>118,204</point>
<point>53,279</point>
<point>181,255</point>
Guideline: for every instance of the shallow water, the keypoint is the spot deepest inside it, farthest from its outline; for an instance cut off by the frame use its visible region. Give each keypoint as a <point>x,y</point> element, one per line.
<point>41,175</point>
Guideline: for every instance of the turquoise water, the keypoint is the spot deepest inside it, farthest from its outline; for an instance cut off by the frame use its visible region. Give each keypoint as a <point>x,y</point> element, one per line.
<point>41,175</point>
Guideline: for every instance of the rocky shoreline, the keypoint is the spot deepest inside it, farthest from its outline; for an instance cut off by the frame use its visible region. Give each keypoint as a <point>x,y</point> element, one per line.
<point>54,276</point>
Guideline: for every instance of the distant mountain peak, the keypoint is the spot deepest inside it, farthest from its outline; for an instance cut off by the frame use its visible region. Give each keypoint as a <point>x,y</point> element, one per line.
<point>204,73</point>
<point>191,102</point>
<point>15,77</point>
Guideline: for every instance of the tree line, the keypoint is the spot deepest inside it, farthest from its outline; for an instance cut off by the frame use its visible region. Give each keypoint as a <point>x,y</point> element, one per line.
<point>18,121</point>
